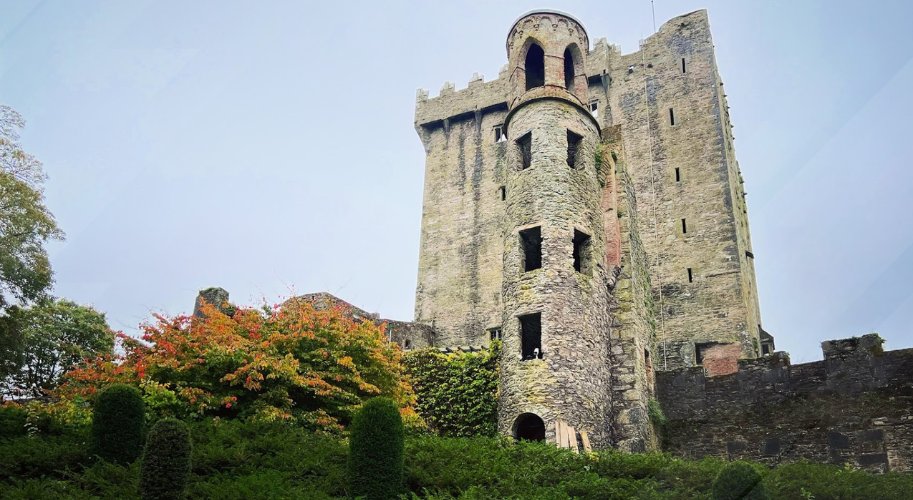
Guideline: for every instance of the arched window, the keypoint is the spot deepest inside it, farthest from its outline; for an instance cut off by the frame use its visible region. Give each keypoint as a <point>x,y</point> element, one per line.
<point>535,67</point>
<point>529,427</point>
<point>568,69</point>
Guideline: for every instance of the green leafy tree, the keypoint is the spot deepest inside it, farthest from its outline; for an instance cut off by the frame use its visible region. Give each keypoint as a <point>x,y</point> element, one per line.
<point>45,340</point>
<point>117,424</point>
<point>25,223</point>
<point>376,451</point>
<point>166,461</point>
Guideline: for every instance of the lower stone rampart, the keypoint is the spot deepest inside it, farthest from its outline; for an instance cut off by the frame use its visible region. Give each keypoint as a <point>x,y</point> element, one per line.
<point>855,407</point>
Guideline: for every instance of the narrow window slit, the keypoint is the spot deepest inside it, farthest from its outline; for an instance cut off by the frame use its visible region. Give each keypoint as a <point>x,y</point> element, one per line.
<point>671,117</point>
<point>683,65</point>
<point>531,246</point>
<point>573,145</point>
<point>503,192</point>
<point>684,227</point>
<point>678,175</point>
<point>690,276</point>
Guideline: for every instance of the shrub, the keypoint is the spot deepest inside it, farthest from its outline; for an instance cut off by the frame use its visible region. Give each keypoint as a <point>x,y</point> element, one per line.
<point>12,421</point>
<point>166,461</point>
<point>376,450</point>
<point>117,424</point>
<point>738,480</point>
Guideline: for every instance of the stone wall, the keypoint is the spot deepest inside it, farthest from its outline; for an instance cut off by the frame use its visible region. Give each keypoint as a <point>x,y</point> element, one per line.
<point>633,334</point>
<point>668,100</point>
<point>682,171</point>
<point>460,258</point>
<point>855,407</point>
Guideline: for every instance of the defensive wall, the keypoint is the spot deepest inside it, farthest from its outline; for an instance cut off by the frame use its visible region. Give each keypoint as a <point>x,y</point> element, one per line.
<point>855,407</point>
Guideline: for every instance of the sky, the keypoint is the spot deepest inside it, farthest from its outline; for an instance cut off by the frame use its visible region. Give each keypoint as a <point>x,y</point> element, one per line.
<point>268,147</point>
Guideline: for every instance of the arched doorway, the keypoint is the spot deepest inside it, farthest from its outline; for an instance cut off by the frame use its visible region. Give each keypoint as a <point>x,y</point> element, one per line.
<point>529,427</point>
<point>535,67</point>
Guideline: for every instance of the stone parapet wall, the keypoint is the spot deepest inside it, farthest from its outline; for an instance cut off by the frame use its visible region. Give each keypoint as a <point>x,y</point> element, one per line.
<point>855,407</point>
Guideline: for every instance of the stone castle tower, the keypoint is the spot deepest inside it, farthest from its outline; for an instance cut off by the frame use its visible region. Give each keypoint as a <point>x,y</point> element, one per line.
<point>586,208</point>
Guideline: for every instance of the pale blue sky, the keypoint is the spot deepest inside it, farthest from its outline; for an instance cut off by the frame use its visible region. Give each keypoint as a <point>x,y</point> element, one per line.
<point>268,147</point>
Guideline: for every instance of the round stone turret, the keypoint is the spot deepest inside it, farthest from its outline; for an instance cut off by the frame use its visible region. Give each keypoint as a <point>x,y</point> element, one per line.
<point>546,53</point>
<point>555,379</point>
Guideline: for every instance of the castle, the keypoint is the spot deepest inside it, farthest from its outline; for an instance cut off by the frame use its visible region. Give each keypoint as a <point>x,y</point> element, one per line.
<point>586,208</point>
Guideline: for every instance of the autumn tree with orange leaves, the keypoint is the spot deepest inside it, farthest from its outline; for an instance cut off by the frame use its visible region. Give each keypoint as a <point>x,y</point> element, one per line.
<point>289,362</point>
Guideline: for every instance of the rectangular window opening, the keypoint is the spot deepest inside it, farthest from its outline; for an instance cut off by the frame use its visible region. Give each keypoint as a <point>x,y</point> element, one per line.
<point>684,227</point>
<point>503,192</point>
<point>765,349</point>
<point>525,145</point>
<point>494,333</point>
<point>700,351</point>
<point>683,65</point>
<point>594,108</point>
<point>531,245</point>
<point>530,336</point>
<point>573,145</point>
<point>500,136</point>
<point>690,276</point>
<point>671,117</point>
<point>678,175</point>
<point>582,252</point>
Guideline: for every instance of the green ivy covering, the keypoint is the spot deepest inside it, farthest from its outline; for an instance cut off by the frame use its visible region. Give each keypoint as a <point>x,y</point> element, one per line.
<point>457,393</point>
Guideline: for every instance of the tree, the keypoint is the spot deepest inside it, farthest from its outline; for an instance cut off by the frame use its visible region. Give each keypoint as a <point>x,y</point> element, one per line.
<point>289,362</point>
<point>25,223</point>
<point>46,340</point>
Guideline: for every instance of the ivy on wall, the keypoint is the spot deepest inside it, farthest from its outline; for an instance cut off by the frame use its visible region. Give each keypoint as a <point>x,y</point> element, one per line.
<point>457,393</point>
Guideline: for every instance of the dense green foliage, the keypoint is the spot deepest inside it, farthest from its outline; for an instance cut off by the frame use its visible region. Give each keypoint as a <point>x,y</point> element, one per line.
<point>376,450</point>
<point>166,461</point>
<point>117,423</point>
<point>12,421</point>
<point>52,337</point>
<point>25,223</point>
<point>456,394</point>
<point>234,460</point>
<point>736,481</point>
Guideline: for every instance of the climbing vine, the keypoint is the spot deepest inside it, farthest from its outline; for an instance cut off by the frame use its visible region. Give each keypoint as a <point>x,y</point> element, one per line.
<point>456,393</point>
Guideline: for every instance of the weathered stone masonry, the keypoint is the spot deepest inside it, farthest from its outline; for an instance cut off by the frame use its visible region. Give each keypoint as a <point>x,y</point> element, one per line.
<point>855,407</point>
<point>603,331</point>
<point>586,208</point>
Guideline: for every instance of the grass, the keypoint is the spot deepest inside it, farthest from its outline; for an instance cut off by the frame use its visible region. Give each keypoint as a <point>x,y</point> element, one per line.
<point>232,460</point>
